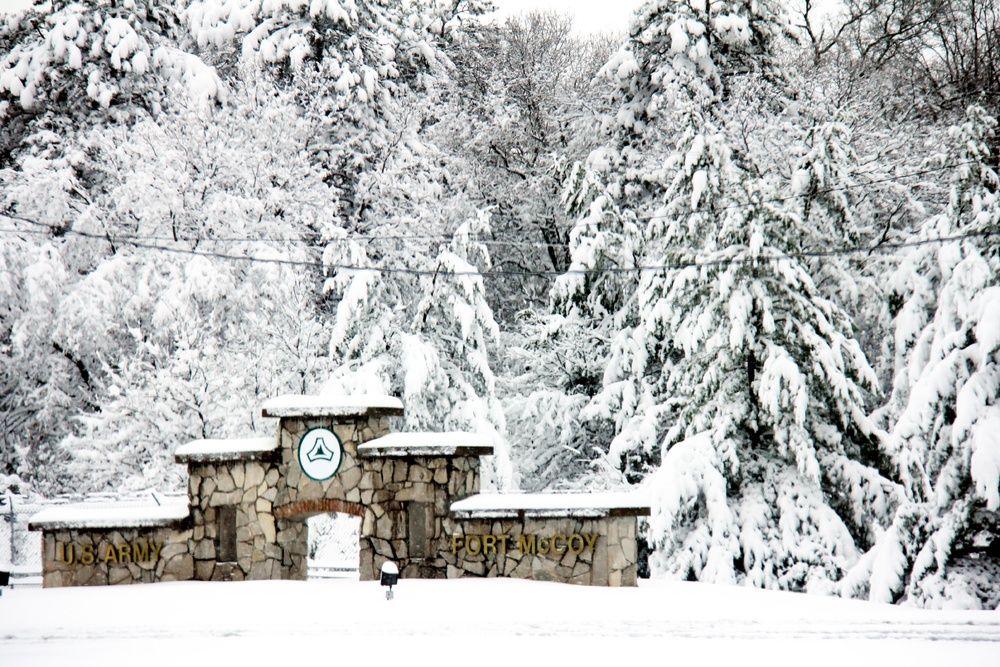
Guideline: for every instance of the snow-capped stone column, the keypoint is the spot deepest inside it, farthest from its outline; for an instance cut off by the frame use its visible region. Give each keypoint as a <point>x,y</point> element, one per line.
<point>232,485</point>
<point>410,482</point>
<point>318,467</point>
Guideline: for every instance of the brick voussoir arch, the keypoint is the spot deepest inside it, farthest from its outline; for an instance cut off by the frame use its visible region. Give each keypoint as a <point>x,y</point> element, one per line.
<point>322,505</point>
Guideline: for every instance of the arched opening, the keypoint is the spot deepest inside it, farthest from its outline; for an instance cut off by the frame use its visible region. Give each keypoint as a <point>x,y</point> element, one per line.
<point>334,546</point>
<point>331,538</point>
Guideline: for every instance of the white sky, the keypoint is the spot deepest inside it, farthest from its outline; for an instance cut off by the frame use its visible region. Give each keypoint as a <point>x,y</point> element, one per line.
<point>14,5</point>
<point>592,16</point>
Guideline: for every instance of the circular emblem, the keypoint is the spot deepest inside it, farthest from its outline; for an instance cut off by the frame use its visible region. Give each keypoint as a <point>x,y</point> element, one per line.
<point>320,453</point>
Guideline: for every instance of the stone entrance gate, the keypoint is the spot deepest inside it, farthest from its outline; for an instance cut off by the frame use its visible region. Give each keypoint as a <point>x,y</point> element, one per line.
<point>417,495</point>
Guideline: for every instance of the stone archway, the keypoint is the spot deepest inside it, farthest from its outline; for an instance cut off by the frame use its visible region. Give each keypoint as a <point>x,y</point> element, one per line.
<point>332,552</point>
<point>417,495</point>
<point>334,540</point>
<point>401,484</point>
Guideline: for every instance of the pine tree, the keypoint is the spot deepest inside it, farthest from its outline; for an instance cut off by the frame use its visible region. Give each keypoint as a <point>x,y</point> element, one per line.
<point>667,80</point>
<point>668,83</point>
<point>734,383</point>
<point>697,43</point>
<point>426,334</point>
<point>70,64</point>
<point>741,346</point>
<point>944,447</point>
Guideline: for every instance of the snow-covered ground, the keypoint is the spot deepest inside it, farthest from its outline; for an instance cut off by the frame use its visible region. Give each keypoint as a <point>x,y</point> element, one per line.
<point>474,622</point>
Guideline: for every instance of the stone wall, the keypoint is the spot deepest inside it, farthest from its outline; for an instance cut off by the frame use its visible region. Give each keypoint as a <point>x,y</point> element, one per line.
<point>248,504</point>
<point>99,557</point>
<point>604,555</point>
<point>247,488</point>
<point>407,501</point>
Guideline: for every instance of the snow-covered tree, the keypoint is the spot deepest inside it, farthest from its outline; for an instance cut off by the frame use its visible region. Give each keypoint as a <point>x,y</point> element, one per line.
<point>733,381</point>
<point>667,76</point>
<point>209,340</point>
<point>159,334</point>
<point>425,333</point>
<point>944,447</point>
<point>521,105</point>
<point>353,65</point>
<point>66,64</point>
<point>42,381</point>
<point>667,80</point>
<point>740,353</point>
<point>696,43</point>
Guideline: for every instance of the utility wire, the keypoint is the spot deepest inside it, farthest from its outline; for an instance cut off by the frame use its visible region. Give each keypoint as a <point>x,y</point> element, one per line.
<point>126,238</point>
<point>141,242</point>
<point>549,272</point>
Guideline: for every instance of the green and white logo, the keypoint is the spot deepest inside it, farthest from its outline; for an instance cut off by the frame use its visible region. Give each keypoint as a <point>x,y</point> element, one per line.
<point>320,454</point>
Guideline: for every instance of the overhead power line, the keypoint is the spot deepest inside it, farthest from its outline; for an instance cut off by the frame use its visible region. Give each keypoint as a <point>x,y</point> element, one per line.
<point>147,243</point>
<point>544,272</point>
<point>128,238</point>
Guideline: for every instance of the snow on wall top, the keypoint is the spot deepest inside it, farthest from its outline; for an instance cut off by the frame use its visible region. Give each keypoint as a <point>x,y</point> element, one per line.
<point>232,449</point>
<point>583,505</point>
<point>364,405</point>
<point>121,514</point>
<point>453,443</point>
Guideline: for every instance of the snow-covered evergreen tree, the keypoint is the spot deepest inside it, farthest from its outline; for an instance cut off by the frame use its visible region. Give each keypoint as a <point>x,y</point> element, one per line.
<point>695,42</point>
<point>747,361</point>
<point>667,81</point>
<point>425,333</point>
<point>67,64</point>
<point>733,382</point>
<point>944,446</point>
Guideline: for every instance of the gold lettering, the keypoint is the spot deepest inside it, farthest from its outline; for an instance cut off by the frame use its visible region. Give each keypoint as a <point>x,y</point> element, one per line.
<point>543,546</point>
<point>124,553</point>
<point>140,552</point>
<point>477,544</point>
<point>110,555</point>
<point>87,558</point>
<point>156,550</point>
<point>64,552</point>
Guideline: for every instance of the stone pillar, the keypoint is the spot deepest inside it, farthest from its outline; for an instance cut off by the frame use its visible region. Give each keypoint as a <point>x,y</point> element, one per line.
<point>354,421</point>
<point>410,481</point>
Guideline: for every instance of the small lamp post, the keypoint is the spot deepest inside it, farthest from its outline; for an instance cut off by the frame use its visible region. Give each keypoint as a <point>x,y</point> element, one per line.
<point>390,577</point>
